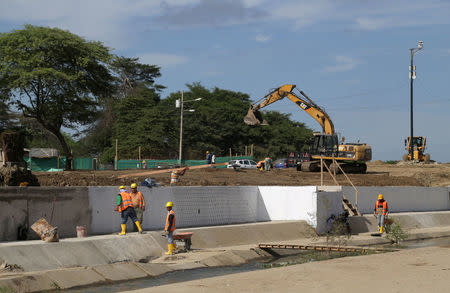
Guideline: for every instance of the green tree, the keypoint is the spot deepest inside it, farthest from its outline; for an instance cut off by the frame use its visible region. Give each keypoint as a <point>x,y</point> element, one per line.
<point>132,81</point>
<point>55,77</point>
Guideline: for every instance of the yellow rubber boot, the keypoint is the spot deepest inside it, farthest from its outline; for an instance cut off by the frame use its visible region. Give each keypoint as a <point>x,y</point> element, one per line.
<point>174,246</point>
<point>124,229</point>
<point>381,229</point>
<point>170,249</point>
<point>139,226</point>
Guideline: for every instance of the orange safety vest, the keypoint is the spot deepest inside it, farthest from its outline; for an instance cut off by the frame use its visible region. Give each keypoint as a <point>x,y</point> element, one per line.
<point>381,207</point>
<point>126,201</point>
<point>140,200</point>
<point>167,221</point>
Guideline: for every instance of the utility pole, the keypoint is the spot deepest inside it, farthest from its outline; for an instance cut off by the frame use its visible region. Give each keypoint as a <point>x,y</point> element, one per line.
<point>412,76</point>
<point>181,130</point>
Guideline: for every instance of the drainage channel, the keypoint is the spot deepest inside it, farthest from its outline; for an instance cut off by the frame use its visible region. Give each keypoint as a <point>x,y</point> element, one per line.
<point>195,274</point>
<point>202,273</point>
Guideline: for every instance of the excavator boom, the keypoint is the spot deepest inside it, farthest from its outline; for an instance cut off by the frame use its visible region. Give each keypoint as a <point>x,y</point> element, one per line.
<point>305,103</point>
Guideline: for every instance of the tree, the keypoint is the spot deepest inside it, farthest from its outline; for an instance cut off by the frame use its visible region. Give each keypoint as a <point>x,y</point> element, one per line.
<point>55,77</point>
<point>132,80</point>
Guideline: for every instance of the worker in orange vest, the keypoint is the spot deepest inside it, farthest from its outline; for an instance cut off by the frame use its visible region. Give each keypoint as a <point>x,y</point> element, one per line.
<point>138,205</point>
<point>125,207</point>
<point>380,211</point>
<point>170,227</point>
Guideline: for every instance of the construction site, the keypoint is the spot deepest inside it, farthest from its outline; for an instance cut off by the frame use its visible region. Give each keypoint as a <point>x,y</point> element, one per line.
<point>113,182</point>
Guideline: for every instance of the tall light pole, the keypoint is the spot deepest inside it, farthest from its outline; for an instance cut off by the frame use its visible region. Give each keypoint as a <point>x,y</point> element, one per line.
<point>180,104</point>
<point>412,76</point>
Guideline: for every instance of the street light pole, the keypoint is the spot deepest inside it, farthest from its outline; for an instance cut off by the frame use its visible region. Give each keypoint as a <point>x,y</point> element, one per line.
<point>412,76</point>
<point>181,129</point>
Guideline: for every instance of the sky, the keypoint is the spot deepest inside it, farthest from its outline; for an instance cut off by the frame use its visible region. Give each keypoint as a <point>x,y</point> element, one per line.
<point>350,56</point>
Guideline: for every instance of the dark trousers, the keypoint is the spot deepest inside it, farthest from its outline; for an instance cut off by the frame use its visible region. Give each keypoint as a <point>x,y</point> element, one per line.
<point>129,212</point>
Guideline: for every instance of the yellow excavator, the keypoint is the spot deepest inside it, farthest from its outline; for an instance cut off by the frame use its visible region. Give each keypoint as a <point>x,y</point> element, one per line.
<point>418,149</point>
<point>352,157</point>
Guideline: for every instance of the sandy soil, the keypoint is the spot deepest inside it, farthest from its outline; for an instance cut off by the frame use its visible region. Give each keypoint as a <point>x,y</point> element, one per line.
<point>379,174</point>
<point>414,270</point>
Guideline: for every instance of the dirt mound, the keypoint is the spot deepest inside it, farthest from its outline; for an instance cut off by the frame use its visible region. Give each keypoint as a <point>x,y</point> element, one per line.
<point>229,177</point>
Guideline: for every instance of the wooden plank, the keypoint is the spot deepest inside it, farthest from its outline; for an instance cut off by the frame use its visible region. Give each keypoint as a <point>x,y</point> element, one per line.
<point>168,170</point>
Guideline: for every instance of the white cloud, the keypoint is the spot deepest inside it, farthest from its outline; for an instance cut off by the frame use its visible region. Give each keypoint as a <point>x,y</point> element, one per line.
<point>162,59</point>
<point>262,38</point>
<point>343,63</point>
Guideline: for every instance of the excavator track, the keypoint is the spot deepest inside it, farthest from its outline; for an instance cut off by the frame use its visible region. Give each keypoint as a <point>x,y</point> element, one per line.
<point>348,167</point>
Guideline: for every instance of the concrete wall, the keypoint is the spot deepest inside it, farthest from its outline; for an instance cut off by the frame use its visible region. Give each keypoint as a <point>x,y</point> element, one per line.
<point>70,209</point>
<point>298,203</point>
<point>401,198</point>
<point>194,206</point>
<point>200,206</point>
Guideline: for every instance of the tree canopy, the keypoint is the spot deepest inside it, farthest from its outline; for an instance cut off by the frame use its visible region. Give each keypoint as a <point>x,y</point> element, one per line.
<point>54,76</point>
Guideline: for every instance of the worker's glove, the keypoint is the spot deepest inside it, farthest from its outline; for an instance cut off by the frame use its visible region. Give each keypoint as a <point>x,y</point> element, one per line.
<point>116,208</point>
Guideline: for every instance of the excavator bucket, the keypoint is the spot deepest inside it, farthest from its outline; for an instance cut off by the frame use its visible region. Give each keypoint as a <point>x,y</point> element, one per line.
<point>251,119</point>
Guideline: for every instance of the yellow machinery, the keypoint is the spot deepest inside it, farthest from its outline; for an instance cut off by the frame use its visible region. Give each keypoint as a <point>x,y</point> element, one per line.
<point>352,157</point>
<point>418,145</point>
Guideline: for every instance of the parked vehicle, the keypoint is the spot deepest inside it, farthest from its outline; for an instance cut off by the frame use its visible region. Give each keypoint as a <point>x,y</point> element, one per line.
<point>244,163</point>
<point>284,163</point>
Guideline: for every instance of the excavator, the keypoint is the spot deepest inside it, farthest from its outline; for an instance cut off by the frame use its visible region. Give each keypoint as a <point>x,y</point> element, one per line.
<point>351,157</point>
<point>418,145</point>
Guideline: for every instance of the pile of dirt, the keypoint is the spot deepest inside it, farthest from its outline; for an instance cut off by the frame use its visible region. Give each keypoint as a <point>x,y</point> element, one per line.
<point>378,175</point>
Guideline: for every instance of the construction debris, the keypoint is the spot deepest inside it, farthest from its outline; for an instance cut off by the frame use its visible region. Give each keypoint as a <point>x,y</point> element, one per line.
<point>47,232</point>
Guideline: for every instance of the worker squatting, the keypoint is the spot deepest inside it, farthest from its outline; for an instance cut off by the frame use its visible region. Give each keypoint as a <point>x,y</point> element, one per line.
<point>132,205</point>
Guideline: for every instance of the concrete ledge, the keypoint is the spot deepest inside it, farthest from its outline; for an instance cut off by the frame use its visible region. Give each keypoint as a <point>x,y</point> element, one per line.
<point>154,270</point>
<point>408,221</point>
<point>36,282</point>
<point>120,271</point>
<point>69,278</point>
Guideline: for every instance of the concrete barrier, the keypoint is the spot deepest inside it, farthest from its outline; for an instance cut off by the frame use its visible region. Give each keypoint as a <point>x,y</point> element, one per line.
<point>200,206</point>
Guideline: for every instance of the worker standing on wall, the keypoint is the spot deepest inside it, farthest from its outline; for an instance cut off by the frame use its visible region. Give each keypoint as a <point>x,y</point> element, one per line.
<point>125,207</point>
<point>380,211</point>
<point>170,227</point>
<point>138,205</point>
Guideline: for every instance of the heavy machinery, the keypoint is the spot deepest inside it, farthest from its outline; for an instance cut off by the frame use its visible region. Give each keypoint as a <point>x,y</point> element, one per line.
<point>352,157</point>
<point>418,145</point>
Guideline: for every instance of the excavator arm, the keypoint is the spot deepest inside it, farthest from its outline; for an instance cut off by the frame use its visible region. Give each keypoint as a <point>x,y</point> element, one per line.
<point>305,103</point>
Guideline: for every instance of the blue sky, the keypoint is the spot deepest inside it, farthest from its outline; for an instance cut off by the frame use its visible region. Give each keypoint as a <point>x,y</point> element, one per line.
<point>350,56</point>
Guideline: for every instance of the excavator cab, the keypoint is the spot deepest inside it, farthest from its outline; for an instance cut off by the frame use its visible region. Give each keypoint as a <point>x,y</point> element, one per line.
<point>324,144</point>
<point>418,149</point>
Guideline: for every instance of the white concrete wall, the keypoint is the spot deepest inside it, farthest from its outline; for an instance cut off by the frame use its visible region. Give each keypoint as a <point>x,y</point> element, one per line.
<point>401,198</point>
<point>299,203</point>
<point>193,206</point>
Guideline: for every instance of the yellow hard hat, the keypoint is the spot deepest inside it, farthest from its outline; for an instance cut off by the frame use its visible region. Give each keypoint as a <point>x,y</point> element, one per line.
<point>380,196</point>
<point>121,187</point>
<point>169,204</point>
<point>207,152</point>
<point>133,185</point>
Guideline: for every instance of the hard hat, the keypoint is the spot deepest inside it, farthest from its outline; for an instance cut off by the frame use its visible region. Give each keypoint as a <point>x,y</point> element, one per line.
<point>207,152</point>
<point>380,196</point>
<point>169,204</point>
<point>121,187</point>
<point>133,185</point>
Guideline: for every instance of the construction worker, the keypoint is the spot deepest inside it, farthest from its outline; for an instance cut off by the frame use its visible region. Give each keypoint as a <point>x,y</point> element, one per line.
<point>170,227</point>
<point>267,163</point>
<point>125,207</point>
<point>380,211</point>
<point>208,158</point>
<point>138,204</point>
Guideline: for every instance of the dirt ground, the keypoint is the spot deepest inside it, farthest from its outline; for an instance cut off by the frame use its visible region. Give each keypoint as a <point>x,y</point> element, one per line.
<point>379,174</point>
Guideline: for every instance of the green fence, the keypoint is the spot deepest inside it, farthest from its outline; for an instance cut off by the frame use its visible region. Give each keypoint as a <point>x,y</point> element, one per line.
<point>157,164</point>
<point>55,164</point>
